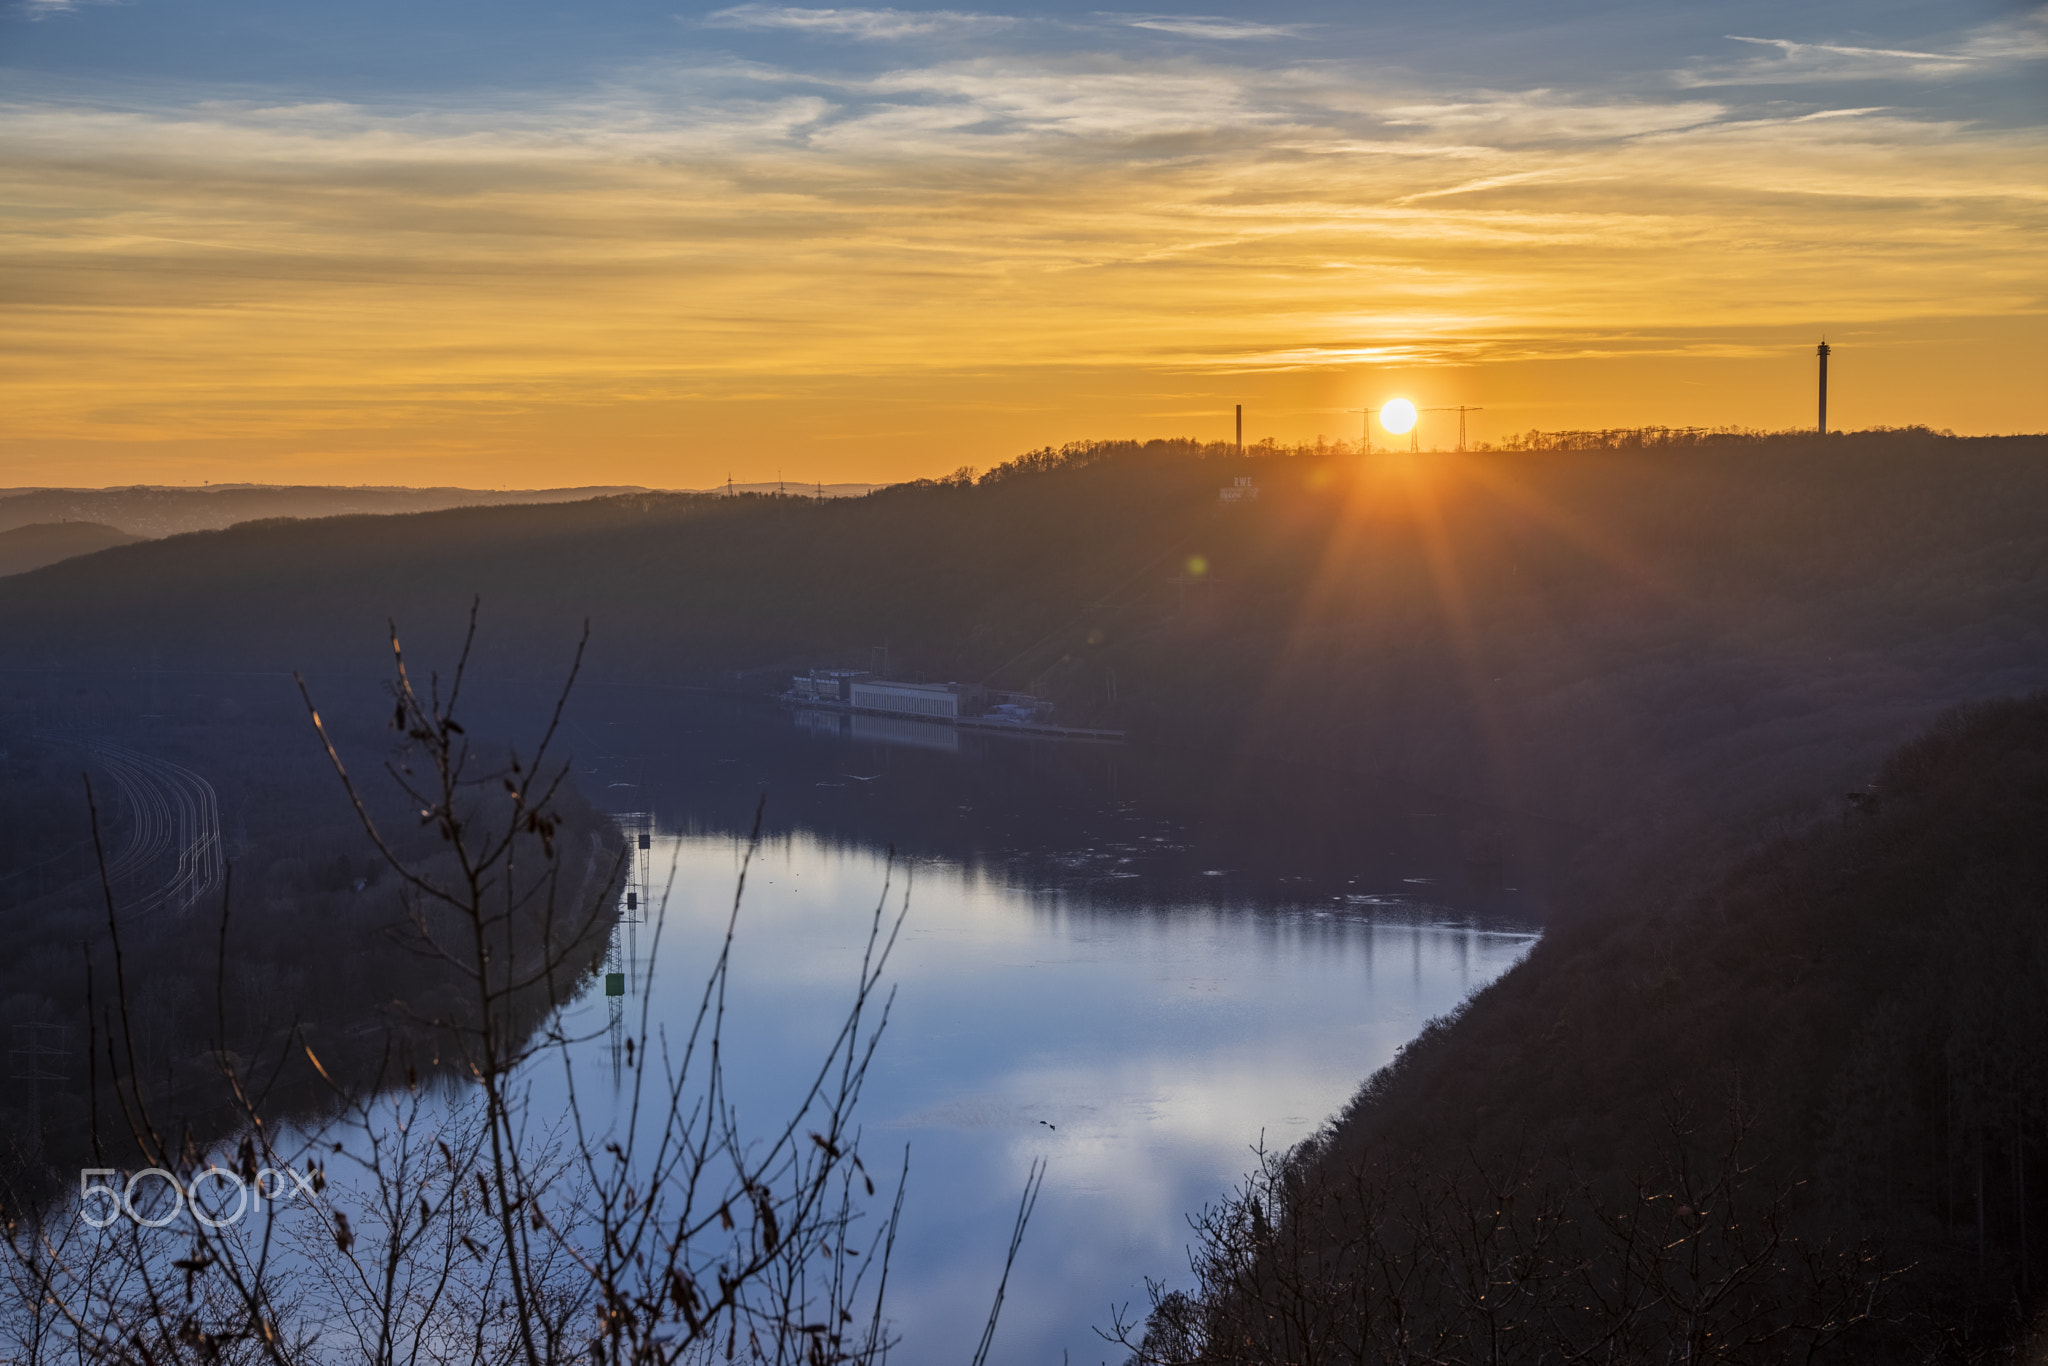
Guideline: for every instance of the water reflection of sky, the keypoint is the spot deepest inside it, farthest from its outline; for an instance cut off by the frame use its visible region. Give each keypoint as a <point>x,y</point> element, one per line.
<point>1162,1041</point>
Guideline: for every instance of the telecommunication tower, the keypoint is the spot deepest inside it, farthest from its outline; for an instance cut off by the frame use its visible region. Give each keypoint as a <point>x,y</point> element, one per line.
<point>1822,351</point>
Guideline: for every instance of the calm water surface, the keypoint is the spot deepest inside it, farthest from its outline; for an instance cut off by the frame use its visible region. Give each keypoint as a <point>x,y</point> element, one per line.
<point>1071,984</point>
<point>1134,965</point>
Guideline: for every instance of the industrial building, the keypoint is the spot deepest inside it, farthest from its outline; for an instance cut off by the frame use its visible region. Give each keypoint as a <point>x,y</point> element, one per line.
<point>863,691</point>
<point>871,706</point>
<point>947,701</point>
<point>826,685</point>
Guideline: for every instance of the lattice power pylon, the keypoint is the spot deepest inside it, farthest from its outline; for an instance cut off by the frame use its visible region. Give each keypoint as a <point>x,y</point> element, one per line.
<point>36,1054</point>
<point>1460,409</point>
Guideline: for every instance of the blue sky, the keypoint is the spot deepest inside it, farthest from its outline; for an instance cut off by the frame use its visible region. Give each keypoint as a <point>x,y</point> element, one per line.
<point>434,51</point>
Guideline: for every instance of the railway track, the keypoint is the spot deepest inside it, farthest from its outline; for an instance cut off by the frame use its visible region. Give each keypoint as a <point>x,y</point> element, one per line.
<point>172,856</point>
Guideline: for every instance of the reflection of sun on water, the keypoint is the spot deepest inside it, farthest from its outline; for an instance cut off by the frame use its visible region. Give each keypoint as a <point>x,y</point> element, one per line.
<point>1397,415</point>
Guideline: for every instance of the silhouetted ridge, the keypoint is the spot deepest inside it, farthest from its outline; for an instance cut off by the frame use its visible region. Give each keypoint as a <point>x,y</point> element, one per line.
<point>23,548</point>
<point>1862,1000</point>
<point>1677,636</point>
<point>155,510</point>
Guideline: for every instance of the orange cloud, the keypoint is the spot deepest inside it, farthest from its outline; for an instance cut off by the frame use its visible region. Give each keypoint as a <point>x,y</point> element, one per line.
<point>735,269</point>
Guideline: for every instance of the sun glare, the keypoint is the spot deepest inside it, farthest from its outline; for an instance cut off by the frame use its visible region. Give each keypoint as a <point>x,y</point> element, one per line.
<point>1397,415</point>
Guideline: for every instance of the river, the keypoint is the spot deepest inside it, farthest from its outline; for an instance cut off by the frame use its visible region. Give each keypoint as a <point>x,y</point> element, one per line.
<point>1132,965</point>
<point>1133,974</point>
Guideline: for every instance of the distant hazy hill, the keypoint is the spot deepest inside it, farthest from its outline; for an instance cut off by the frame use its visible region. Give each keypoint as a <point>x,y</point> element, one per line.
<point>150,511</point>
<point>792,489</point>
<point>24,548</point>
<point>1669,637</point>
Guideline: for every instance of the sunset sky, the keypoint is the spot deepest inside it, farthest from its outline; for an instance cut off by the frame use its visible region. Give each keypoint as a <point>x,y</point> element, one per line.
<point>529,244</point>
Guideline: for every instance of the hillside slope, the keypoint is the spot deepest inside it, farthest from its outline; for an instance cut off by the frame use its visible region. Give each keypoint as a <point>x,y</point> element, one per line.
<point>24,548</point>
<point>1799,1106</point>
<point>146,510</point>
<point>1674,636</point>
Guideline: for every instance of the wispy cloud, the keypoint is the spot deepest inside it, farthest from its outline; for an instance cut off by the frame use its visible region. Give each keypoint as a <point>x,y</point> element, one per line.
<point>1792,49</point>
<point>705,228</point>
<point>1523,117</point>
<point>1984,49</point>
<point>1206,26</point>
<point>868,24</point>
<point>2023,38</point>
<point>1104,102</point>
<point>46,9</point>
<point>1554,175</point>
<point>1835,61</point>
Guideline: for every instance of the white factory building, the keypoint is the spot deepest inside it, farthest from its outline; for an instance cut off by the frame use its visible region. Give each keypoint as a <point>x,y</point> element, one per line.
<point>949,701</point>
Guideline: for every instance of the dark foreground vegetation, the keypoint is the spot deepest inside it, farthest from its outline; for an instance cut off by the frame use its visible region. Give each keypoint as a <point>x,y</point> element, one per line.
<point>1798,1112</point>
<point>300,939</point>
<point>405,1219</point>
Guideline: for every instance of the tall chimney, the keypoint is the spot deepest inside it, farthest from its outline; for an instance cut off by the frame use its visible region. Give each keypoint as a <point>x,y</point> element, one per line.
<point>1240,429</point>
<point>1823,354</point>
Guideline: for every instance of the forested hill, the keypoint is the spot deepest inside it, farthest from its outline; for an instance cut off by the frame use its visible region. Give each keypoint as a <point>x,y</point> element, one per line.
<point>1664,632</point>
<point>1795,1112</point>
<point>29,547</point>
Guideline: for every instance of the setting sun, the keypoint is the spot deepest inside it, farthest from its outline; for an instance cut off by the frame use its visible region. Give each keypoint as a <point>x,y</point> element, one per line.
<point>1397,416</point>
<point>750,238</point>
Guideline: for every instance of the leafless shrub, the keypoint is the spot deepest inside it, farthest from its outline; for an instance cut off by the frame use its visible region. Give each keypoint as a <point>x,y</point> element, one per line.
<point>420,1221</point>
